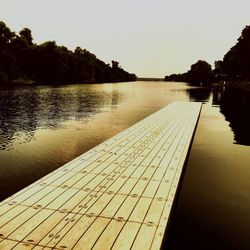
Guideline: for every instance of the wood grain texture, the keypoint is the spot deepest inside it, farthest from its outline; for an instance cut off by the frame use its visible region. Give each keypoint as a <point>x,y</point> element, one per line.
<point>118,195</point>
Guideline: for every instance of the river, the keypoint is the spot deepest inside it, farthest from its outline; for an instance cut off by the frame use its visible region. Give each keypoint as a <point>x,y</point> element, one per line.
<point>44,127</point>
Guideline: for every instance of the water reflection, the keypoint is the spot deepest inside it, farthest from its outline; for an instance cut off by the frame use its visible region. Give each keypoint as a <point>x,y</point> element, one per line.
<point>44,127</point>
<point>217,96</point>
<point>17,114</point>
<point>212,209</point>
<point>41,128</point>
<point>28,109</point>
<point>235,106</point>
<point>25,110</point>
<point>54,125</point>
<point>199,94</point>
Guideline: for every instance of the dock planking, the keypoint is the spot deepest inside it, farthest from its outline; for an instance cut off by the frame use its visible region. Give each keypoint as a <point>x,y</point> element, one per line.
<point>118,195</point>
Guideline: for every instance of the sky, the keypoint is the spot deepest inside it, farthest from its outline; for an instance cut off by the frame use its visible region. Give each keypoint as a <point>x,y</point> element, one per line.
<point>151,38</point>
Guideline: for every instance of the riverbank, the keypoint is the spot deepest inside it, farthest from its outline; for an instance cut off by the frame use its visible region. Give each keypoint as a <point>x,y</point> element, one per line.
<point>26,62</point>
<point>28,82</point>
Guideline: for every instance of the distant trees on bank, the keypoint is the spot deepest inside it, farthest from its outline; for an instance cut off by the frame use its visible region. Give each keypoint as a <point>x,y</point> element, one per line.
<point>22,61</point>
<point>200,74</point>
<point>235,66</point>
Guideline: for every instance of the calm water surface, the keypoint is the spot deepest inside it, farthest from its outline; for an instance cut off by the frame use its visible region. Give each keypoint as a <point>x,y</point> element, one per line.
<point>44,127</point>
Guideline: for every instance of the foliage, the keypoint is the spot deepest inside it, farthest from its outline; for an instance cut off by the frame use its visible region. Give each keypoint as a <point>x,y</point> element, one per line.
<point>176,78</point>
<point>22,61</point>
<point>235,66</point>
<point>199,74</point>
<point>236,62</point>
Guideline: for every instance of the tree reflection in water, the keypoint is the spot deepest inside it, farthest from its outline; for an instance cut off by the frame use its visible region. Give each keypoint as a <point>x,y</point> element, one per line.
<point>235,106</point>
<point>24,110</point>
<point>199,94</point>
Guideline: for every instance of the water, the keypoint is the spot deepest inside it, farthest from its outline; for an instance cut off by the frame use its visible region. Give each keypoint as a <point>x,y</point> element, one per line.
<point>44,127</point>
<point>213,206</point>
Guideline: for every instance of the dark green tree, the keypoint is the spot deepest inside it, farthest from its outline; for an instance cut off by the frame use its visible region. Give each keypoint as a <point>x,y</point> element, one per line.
<point>8,67</point>
<point>85,65</point>
<point>22,61</point>
<point>176,78</point>
<point>25,35</point>
<point>218,73</point>
<point>6,35</point>
<point>200,74</point>
<point>236,63</point>
<point>23,49</point>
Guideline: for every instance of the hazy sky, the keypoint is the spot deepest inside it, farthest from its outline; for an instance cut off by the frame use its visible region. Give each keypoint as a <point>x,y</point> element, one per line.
<point>150,38</point>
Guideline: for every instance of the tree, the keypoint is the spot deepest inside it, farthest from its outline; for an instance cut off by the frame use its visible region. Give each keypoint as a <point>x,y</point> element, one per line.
<point>24,50</point>
<point>200,73</point>
<point>115,65</point>
<point>218,74</point>
<point>8,67</point>
<point>25,35</point>
<point>5,35</point>
<point>84,62</point>
<point>22,61</point>
<point>236,62</point>
<point>176,78</point>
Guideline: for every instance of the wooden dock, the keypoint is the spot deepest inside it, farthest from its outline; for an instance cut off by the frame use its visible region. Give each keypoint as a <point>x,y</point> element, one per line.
<point>118,195</point>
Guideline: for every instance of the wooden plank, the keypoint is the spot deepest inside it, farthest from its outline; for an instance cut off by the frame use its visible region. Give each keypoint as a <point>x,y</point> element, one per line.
<point>7,244</point>
<point>29,225</point>
<point>108,237</point>
<point>140,210</point>
<point>124,211</point>
<point>87,239</point>
<point>126,237</point>
<point>69,203</point>
<point>113,206</point>
<point>8,213</point>
<point>117,195</point>
<point>42,229</point>
<point>55,234</point>
<point>17,221</point>
<point>144,237</point>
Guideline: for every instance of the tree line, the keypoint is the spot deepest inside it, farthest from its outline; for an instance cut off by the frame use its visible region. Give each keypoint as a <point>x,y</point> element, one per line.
<point>24,62</point>
<point>235,66</point>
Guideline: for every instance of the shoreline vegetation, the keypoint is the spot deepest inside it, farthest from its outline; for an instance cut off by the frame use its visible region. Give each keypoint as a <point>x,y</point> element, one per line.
<point>234,69</point>
<point>23,62</point>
